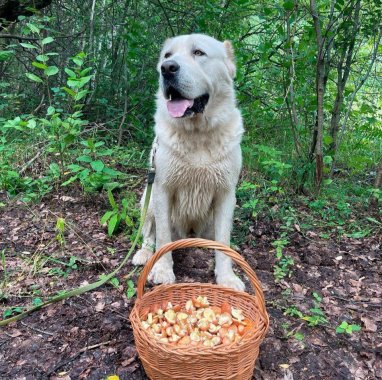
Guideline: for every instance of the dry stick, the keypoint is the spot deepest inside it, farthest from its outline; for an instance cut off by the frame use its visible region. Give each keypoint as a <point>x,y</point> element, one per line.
<point>36,329</point>
<point>82,350</point>
<point>30,162</point>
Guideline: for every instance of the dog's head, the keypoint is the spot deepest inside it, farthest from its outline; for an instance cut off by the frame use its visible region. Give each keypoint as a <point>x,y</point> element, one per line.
<point>193,70</point>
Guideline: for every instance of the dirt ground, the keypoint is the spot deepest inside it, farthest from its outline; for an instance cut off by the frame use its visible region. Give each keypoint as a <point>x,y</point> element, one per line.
<point>90,337</point>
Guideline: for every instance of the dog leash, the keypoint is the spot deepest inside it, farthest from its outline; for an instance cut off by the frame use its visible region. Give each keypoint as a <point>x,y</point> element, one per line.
<point>94,285</point>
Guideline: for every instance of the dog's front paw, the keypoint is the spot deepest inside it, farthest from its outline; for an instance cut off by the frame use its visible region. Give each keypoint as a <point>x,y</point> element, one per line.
<point>162,274</point>
<point>142,256</point>
<point>230,280</point>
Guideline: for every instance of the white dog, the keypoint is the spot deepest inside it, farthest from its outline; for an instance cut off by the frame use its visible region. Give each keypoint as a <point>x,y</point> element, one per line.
<point>198,157</point>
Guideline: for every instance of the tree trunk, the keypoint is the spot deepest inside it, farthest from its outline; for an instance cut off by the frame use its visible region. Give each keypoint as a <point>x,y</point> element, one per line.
<point>291,102</point>
<point>353,95</point>
<point>343,75</point>
<point>377,183</point>
<point>320,91</point>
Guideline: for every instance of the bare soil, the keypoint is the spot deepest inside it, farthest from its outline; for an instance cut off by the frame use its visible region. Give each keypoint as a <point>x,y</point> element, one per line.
<point>90,337</point>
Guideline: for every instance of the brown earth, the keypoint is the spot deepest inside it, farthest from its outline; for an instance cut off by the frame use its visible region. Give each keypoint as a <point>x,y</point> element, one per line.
<point>90,337</point>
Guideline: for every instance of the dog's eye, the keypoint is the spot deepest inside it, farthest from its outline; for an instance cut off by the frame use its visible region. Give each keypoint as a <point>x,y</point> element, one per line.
<point>199,52</point>
<point>167,55</point>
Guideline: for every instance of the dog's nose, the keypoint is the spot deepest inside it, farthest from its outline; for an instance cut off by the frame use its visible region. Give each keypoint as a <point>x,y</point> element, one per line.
<point>169,68</point>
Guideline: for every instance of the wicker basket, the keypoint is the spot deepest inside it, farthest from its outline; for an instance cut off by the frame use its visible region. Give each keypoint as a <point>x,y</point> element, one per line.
<point>235,361</point>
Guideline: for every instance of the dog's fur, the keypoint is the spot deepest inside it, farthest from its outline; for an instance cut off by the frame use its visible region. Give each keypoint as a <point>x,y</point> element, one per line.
<point>198,156</point>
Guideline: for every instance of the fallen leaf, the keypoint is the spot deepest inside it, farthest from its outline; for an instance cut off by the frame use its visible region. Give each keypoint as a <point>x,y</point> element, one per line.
<point>100,306</point>
<point>369,324</point>
<point>15,333</point>
<point>126,362</point>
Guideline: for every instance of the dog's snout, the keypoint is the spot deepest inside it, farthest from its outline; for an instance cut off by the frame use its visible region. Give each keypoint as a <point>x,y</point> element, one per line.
<point>169,68</point>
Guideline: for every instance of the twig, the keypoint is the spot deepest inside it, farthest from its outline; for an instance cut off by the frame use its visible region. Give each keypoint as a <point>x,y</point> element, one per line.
<point>82,350</point>
<point>167,18</point>
<point>354,301</point>
<point>36,329</point>
<point>19,37</point>
<point>30,162</point>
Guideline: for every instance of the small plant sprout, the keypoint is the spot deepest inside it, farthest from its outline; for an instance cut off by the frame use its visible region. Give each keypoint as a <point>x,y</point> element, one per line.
<point>60,230</point>
<point>344,327</point>
<point>284,262</point>
<point>130,291</point>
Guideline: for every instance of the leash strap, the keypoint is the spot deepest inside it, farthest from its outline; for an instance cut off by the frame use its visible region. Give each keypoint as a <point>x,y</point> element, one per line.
<point>97,284</point>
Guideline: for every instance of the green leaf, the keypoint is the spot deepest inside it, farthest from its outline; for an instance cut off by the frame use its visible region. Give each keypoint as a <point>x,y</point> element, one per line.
<point>36,301</point>
<point>85,71</point>
<point>47,40</point>
<point>78,61</point>
<point>113,224</point>
<point>75,168</point>
<point>33,28</point>
<point>42,58</point>
<point>327,140</point>
<point>288,5</point>
<point>5,54</point>
<point>130,289</point>
<point>34,77</point>
<point>39,65</point>
<point>31,124</point>
<point>69,91</point>
<point>97,165</point>
<point>81,94</point>
<point>112,200</point>
<point>73,83</point>
<point>71,73</point>
<point>328,160</point>
<point>106,216</point>
<point>28,46</point>
<point>51,70</point>
<point>299,336</point>
<point>51,111</point>
<point>84,159</point>
<point>70,180</point>
<point>115,282</point>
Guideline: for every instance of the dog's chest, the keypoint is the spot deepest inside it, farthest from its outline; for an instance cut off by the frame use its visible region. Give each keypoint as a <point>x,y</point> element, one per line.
<point>197,172</point>
<point>194,188</point>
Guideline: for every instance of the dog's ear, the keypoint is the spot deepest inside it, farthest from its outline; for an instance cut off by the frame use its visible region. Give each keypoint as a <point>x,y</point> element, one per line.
<point>231,58</point>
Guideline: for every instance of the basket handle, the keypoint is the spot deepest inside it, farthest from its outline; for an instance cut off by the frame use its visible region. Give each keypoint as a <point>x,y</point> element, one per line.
<point>201,243</point>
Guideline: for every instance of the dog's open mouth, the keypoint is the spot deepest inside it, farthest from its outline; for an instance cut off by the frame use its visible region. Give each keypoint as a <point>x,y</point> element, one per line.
<point>179,106</point>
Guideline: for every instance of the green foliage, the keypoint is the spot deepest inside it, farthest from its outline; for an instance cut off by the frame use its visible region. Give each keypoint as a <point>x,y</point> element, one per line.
<point>130,291</point>
<point>91,170</point>
<point>65,267</point>
<point>113,281</point>
<point>8,312</point>
<point>126,213</point>
<point>344,327</point>
<point>60,230</point>
<point>283,262</point>
<point>316,316</point>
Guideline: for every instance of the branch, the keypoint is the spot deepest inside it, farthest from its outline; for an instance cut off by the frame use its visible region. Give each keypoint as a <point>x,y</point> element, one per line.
<point>167,18</point>
<point>19,37</point>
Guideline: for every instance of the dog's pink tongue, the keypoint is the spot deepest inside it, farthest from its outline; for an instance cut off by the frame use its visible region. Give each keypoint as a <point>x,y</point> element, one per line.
<point>177,108</point>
